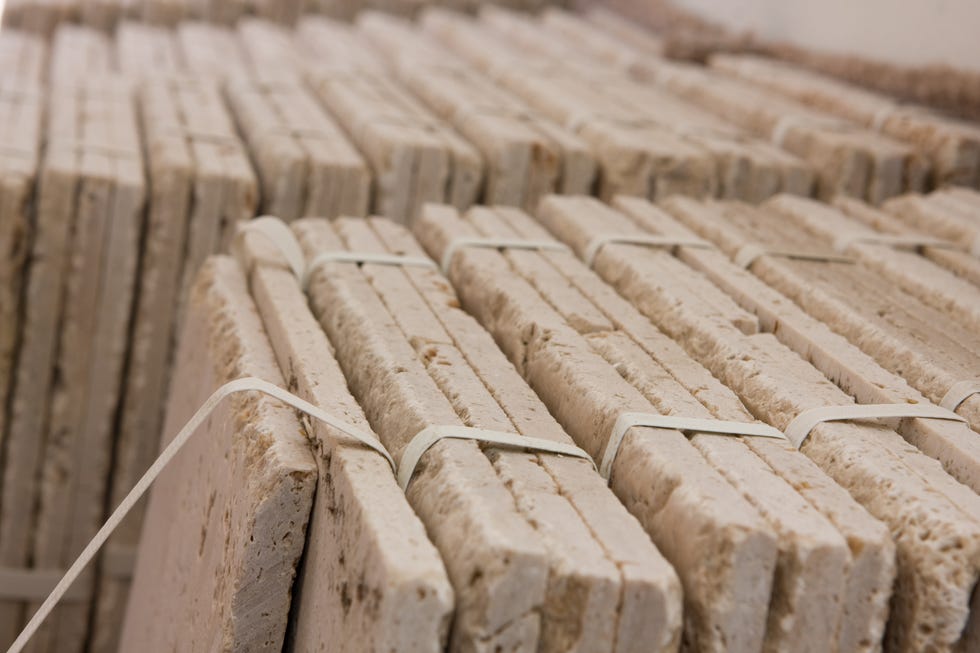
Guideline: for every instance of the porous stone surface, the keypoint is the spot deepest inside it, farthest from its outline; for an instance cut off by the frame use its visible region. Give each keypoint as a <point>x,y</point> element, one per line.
<point>226,521</point>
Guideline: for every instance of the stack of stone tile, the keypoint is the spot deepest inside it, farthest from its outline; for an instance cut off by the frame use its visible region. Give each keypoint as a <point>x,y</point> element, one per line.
<point>201,188</point>
<point>951,145</point>
<point>145,51</point>
<point>647,142</point>
<point>933,519</point>
<point>771,553</point>
<point>526,155</point>
<point>88,219</point>
<point>415,156</point>
<point>949,214</point>
<point>847,159</point>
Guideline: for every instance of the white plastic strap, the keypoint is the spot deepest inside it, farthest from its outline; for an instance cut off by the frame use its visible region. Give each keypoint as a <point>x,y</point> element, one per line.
<point>35,585</point>
<point>247,384</point>
<point>626,421</point>
<point>277,232</point>
<point>842,244</point>
<point>960,392</point>
<point>496,243</point>
<point>666,242</point>
<point>748,254</point>
<point>427,437</point>
<point>799,429</point>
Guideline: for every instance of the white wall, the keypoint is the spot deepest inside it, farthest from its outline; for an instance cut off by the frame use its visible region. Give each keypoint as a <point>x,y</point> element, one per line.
<point>911,32</point>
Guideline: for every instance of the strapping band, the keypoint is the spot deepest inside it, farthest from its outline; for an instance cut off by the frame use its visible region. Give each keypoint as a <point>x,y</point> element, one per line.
<point>36,584</point>
<point>842,244</point>
<point>960,392</point>
<point>247,384</point>
<point>496,243</point>
<point>626,421</point>
<point>280,235</point>
<point>667,242</point>
<point>748,254</point>
<point>799,429</point>
<point>427,437</point>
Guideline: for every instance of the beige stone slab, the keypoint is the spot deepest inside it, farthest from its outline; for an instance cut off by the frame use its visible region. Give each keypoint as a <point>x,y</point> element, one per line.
<point>23,55</point>
<point>953,146</point>
<point>142,50</point>
<point>93,339</point>
<point>212,50</point>
<point>77,53</point>
<point>960,263</point>
<point>371,579</point>
<point>857,373</point>
<point>637,351</point>
<point>526,155</point>
<point>525,31</point>
<point>932,285</point>
<point>940,214</point>
<point>201,187</point>
<point>226,522</point>
<point>638,38</point>
<point>497,564</point>
<point>848,160</point>
<point>415,157</point>
<point>335,44</point>
<point>587,394</point>
<point>305,163</point>
<point>585,32</point>
<point>21,110</point>
<point>401,43</point>
<point>596,546</point>
<point>903,334</point>
<point>271,50</point>
<point>776,384</point>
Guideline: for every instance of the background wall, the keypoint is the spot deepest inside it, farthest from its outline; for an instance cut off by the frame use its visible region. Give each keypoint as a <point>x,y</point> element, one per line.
<point>909,32</point>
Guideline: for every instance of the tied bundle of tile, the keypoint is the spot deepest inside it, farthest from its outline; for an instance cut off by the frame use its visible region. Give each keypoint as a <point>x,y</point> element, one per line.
<point>758,343</point>
<point>528,550</point>
<point>770,551</point>
<point>647,142</point>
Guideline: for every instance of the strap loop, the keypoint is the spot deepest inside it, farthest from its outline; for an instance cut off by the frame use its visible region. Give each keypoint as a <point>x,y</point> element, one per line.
<point>799,429</point>
<point>427,437</point>
<point>496,243</point>
<point>958,393</point>
<point>280,235</point>
<point>626,421</point>
<point>667,242</point>
<point>247,384</point>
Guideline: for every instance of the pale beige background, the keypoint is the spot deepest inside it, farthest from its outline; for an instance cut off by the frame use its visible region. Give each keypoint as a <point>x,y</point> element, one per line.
<point>911,32</point>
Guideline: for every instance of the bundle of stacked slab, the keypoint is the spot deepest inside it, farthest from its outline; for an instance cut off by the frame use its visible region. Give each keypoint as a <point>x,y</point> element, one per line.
<point>526,155</point>
<point>22,59</point>
<point>949,255</point>
<point>145,51</point>
<point>334,44</point>
<point>647,142</point>
<point>934,520</point>
<point>950,213</point>
<point>210,50</point>
<point>893,318</point>
<point>848,160</point>
<point>226,522</point>
<point>952,146</point>
<point>201,187</point>
<point>80,288</point>
<point>539,552</point>
<point>305,163</point>
<point>23,56</point>
<point>415,157</point>
<point>771,553</point>
<point>77,52</point>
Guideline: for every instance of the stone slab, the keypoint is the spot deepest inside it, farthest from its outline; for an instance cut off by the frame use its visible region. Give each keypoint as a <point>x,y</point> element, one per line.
<point>141,50</point>
<point>226,522</point>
